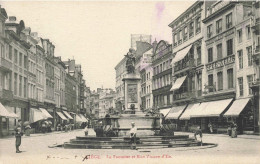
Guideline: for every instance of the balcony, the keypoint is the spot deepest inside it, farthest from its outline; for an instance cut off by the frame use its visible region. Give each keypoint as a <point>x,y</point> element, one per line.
<point>184,95</point>
<point>6,94</point>
<point>5,65</point>
<point>190,64</point>
<point>220,63</point>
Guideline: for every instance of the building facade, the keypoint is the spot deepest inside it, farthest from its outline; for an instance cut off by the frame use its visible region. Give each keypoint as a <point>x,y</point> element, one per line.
<point>15,80</point>
<point>162,75</point>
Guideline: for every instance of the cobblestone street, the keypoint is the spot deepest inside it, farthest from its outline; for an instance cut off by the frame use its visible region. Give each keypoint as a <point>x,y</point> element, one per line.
<point>35,150</point>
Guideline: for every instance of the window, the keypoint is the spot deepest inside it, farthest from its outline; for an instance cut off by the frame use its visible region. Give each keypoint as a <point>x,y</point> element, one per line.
<point>219,26</point>
<point>15,56</point>
<point>191,31</point>
<point>219,51</point>
<point>240,59</point>
<point>240,85</point>
<point>199,55</point>
<point>25,89</point>
<point>249,81</point>
<point>198,24</point>
<point>229,21</point>
<point>229,47</point>
<point>239,35</point>
<point>209,31</point>
<point>10,52</point>
<point>230,78</point>
<point>199,83</point>
<point>10,81</point>
<point>248,32</point>
<point>249,55</point>
<point>210,55</point>
<point>2,51</point>
<point>25,62</point>
<point>185,33</point>
<point>180,36</point>
<point>15,83</point>
<point>20,85</point>
<point>210,82</point>
<point>220,80</point>
<point>20,59</point>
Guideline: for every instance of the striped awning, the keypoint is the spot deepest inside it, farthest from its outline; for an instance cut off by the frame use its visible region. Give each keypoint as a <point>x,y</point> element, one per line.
<point>84,119</point>
<point>68,115</point>
<point>5,113</point>
<point>46,113</point>
<point>61,116</point>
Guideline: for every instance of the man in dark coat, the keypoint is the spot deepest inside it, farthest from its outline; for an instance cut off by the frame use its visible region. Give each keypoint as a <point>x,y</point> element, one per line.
<point>18,136</point>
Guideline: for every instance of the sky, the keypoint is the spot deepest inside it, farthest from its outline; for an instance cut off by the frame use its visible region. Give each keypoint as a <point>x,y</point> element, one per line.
<point>96,34</point>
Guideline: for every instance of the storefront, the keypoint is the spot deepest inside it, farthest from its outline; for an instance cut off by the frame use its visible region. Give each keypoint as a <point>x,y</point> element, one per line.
<point>241,112</point>
<point>211,112</point>
<point>6,119</point>
<point>173,117</point>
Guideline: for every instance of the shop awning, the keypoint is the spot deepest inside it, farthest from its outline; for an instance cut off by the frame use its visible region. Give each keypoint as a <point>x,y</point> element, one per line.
<point>237,107</point>
<point>78,118</point>
<point>213,108</point>
<point>177,84</point>
<point>68,115</point>
<point>46,113</point>
<point>189,110</point>
<point>36,115</point>
<point>83,118</point>
<point>181,54</point>
<point>5,113</point>
<point>175,112</point>
<point>165,111</point>
<point>199,109</point>
<point>61,116</point>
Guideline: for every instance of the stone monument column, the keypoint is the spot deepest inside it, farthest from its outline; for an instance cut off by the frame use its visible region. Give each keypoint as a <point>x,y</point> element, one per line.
<point>131,81</point>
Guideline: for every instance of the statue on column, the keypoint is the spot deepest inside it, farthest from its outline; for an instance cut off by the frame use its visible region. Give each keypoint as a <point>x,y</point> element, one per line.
<point>130,61</point>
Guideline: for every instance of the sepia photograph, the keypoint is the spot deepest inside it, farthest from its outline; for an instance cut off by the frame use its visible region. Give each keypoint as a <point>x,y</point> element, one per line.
<point>113,81</point>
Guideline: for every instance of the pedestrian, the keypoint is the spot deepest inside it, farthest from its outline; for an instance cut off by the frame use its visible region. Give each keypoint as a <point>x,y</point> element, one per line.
<point>18,136</point>
<point>210,127</point>
<point>133,131</point>
<point>198,132</point>
<point>233,130</point>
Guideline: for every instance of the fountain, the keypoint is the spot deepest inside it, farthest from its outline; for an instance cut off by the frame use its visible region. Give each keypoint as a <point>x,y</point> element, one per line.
<point>112,131</point>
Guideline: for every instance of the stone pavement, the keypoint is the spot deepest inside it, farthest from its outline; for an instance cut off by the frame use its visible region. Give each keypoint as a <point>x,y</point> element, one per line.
<point>244,149</point>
